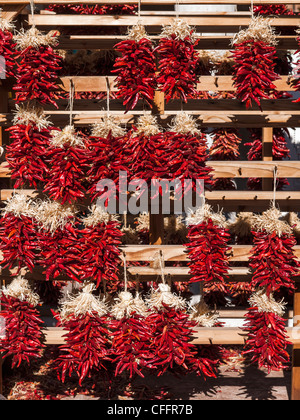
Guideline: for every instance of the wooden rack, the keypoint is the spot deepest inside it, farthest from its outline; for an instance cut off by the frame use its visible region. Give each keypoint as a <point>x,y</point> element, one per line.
<point>210,113</point>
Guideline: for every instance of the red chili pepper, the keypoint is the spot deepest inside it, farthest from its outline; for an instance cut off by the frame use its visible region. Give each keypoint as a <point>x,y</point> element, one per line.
<point>273,261</point>
<point>254,71</point>
<point>267,340</point>
<point>87,347</point>
<point>113,9</point>
<point>8,54</point>
<point>135,71</point>
<point>23,335</point>
<point>27,154</point>
<point>37,75</point>
<point>273,9</point>
<point>208,251</point>
<point>178,63</point>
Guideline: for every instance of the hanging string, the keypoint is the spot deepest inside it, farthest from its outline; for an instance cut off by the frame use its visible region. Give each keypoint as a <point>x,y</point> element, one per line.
<point>161,263</point>
<point>139,11</point>
<point>275,186</point>
<point>107,95</point>
<point>71,100</point>
<point>177,9</point>
<point>252,9</point>
<point>125,272</point>
<point>32,12</point>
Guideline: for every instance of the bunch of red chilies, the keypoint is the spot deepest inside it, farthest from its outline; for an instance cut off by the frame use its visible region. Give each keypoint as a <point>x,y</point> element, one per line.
<point>87,347</point>
<point>108,159</point>
<point>208,252</point>
<point>178,62</point>
<point>135,70</point>
<point>67,171</point>
<point>27,154</point>
<point>18,241</point>
<point>8,53</point>
<point>225,147</point>
<point>36,78</point>
<point>280,151</point>
<point>82,9</point>
<point>272,9</point>
<point>159,343</point>
<point>273,261</point>
<point>187,156</point>
<point>267,339</point>
<point>99,252</point>
<point>23,334</point>
<point>254,73</point>
<point>60,251</point>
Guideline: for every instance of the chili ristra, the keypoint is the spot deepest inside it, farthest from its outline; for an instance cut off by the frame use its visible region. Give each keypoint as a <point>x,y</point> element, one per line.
<point>27,154</point>
<point>23,335</point>
<point>37,73</point>
<point>135,68</point>
<point>178,61</point>
<point>7,50</point>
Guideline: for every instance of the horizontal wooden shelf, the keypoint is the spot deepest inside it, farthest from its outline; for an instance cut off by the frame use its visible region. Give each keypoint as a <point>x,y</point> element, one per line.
<point>202,336</point>
<point>213,23</point>
<point>259,169</point>
<point>207,83</point>
<point>174,253</point>
<point>107,42</point>
<point>236,274</point>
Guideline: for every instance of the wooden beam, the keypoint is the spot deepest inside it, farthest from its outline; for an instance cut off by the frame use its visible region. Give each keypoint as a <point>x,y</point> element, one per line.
<point>203,336</point>
<point>11,11</point>
<point>178,252</point>
<point>207,83</point>
<point>107,42</point>
<point>259,169</point>
<point>206,23</point>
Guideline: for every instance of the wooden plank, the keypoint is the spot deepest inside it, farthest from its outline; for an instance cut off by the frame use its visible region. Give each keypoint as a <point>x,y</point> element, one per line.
<point>207,83</point>
<point>178,252</point>
<point>259,169</point>
<point>206,23</point>
<point>203,336</point>
<point>11,11</point>
<point>107,42</point>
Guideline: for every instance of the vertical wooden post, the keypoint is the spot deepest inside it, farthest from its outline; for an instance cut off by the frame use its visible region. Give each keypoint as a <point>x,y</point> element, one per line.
<point>295,390</point>
<point>267,142</point>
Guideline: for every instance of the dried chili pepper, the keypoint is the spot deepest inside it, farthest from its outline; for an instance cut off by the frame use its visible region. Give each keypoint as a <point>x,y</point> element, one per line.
<point>280,151</point>
<point>187,153</point>
<point>27,154</point>
<point>106,146</point>
<point>225,146</point>
<point>254,56</point>
<point>87,346</point>
<point>267,339</point>
<point>82,9</point>
<point>172,332</point>
<point>99,242</point>
<point>135,68</point>
<point>68,163</point>
<point>178,61</point>
<point>37,75</point>
<point>131,336</point>
<point>147,152</point>
<point>272,257</point>
<point>273,9</point>
<point>18,241</point>
<point>22,336</point>
<point>58,239</point>
<point>7,49</point>
<point>208,248</point>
